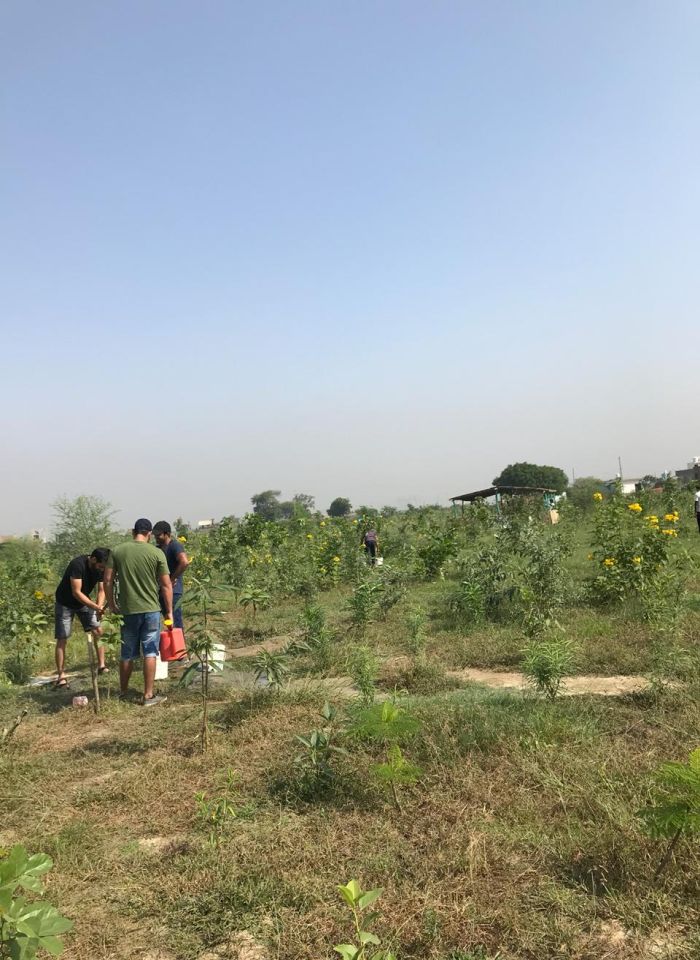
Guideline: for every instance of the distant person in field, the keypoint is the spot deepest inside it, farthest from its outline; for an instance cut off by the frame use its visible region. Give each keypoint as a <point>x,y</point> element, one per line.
<point>697,508</point>
<point>178,562</point>
<point>141,574</point>
<point>80,578</point>
<point>371,544</point>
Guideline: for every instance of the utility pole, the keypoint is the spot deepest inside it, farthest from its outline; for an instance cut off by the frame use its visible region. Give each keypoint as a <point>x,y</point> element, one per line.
<point>619,463</point>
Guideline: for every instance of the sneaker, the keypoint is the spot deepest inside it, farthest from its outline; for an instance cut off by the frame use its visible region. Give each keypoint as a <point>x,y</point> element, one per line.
<point>152,701</point>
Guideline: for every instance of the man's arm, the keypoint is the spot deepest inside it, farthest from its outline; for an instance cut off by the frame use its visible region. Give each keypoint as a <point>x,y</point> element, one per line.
<point>76,586</point>
<point>166,592</point>
<point>109,590</point>
<point>182,564</point>
<point>101,599</point>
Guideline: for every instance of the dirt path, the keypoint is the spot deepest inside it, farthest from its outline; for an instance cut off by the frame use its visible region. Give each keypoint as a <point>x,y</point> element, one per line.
<point>272,646</point>
<point>572,686</point>
<point>614,686</point>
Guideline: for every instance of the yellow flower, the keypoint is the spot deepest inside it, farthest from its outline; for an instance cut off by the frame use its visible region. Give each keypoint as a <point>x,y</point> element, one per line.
<point>597,496</point>
<point>590,556</point>
<point>636,507</point>
<point>182,539</point>
<point>309,536</point>
<point>336,559</point>
<point>670,532</point>
<point>322,523</point>
<point>610,561</point>
<point>654,521</point>
<point>670,517</point>
<point>636,560</point>
<point>38,595</point>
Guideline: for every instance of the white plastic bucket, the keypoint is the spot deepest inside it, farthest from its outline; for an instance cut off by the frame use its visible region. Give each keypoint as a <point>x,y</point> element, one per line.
<point>161,669</point>
<point>218,653</point>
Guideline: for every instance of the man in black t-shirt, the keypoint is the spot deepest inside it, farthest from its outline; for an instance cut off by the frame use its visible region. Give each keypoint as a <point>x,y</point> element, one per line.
<point>177,564</point>
<point>73,599</point>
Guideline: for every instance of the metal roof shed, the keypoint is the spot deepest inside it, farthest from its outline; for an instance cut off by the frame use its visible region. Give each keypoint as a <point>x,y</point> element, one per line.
<point>498,491</point>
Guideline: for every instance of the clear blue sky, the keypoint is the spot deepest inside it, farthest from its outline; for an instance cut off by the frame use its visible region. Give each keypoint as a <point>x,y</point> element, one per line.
<point>377,250</point>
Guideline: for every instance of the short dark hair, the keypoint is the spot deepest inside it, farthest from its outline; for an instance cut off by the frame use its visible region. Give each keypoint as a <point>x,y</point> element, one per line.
<point>162,527</point>
<point>143,526</point>
<point>101,554</point>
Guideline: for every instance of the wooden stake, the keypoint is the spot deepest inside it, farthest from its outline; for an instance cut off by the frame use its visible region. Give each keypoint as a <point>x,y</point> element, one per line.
<point>93,671</point>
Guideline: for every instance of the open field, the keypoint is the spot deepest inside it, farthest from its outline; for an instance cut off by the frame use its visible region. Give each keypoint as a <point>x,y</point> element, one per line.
<point>518,837</point>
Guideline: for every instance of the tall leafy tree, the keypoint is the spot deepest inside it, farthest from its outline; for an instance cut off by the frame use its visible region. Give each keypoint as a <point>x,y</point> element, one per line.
<point>304,504</point>
<point>582,489</point>
<point>340,507</point>
<point>532,475</point>
<point>80,525</point>
<point>266,504</point>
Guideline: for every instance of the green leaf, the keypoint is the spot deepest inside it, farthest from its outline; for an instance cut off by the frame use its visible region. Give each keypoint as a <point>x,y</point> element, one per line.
<point>53,945</point>
<point>350,892</point>
<point>367,937</point>
<point>368,898</point>
<point>347,951</point>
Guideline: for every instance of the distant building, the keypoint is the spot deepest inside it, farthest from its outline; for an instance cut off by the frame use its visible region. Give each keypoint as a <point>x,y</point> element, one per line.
<point>206,524</point>
<point>691,473</point>
<point>629,485</point>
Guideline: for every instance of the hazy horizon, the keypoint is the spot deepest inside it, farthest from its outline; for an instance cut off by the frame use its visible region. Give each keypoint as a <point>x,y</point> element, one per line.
<point>377,252</point>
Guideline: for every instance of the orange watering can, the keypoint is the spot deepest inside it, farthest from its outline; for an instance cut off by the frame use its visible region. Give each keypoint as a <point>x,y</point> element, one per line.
<point>172,642</point>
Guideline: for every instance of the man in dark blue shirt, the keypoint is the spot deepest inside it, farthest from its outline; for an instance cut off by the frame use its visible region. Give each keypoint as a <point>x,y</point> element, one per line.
<point>177,564</point>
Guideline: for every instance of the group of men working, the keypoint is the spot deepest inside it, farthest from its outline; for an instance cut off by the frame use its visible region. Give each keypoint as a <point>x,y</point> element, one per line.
<point>137,580</point>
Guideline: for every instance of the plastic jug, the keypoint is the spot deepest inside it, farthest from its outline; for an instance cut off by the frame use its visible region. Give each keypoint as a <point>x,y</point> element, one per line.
<point>172,644</point>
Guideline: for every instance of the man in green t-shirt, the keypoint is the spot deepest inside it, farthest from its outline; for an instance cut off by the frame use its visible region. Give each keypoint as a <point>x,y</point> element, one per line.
<point>141,574</point>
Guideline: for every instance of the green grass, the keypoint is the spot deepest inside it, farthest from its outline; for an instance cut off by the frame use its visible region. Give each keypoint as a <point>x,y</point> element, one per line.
<point>520,836</point>
<point>520,840</point>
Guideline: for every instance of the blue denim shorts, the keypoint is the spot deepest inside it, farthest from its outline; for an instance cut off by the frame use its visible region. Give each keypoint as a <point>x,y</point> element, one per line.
<point>140,635</point>
<point>63,617</point>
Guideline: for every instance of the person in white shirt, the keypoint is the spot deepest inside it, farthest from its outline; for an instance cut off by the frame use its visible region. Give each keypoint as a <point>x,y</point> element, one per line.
<point>697,508</point>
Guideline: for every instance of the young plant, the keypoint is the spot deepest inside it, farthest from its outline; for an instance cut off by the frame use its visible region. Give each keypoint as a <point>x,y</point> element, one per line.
<point>201,637</point>
<point>24,635</point>
<point>547,661</point>
<point>384,723</point>
<point>363,601</point>
<point>393,590</point>
<point>312,621</point>
<point>359,901</point>
<point>270,667</point>
<point>315,762</point>
<point>387,724</point>
<point>218,813</point>
<point>396,771</point>
<point>677,805</point>
<point>416,621</point>
<point>317,638</point>
<point>254,597</point>
<point>364,670</point>
<point>27,926</point>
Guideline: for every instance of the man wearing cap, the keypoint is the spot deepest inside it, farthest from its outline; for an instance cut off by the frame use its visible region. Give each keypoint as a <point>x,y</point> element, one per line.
<point>141,574</point>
